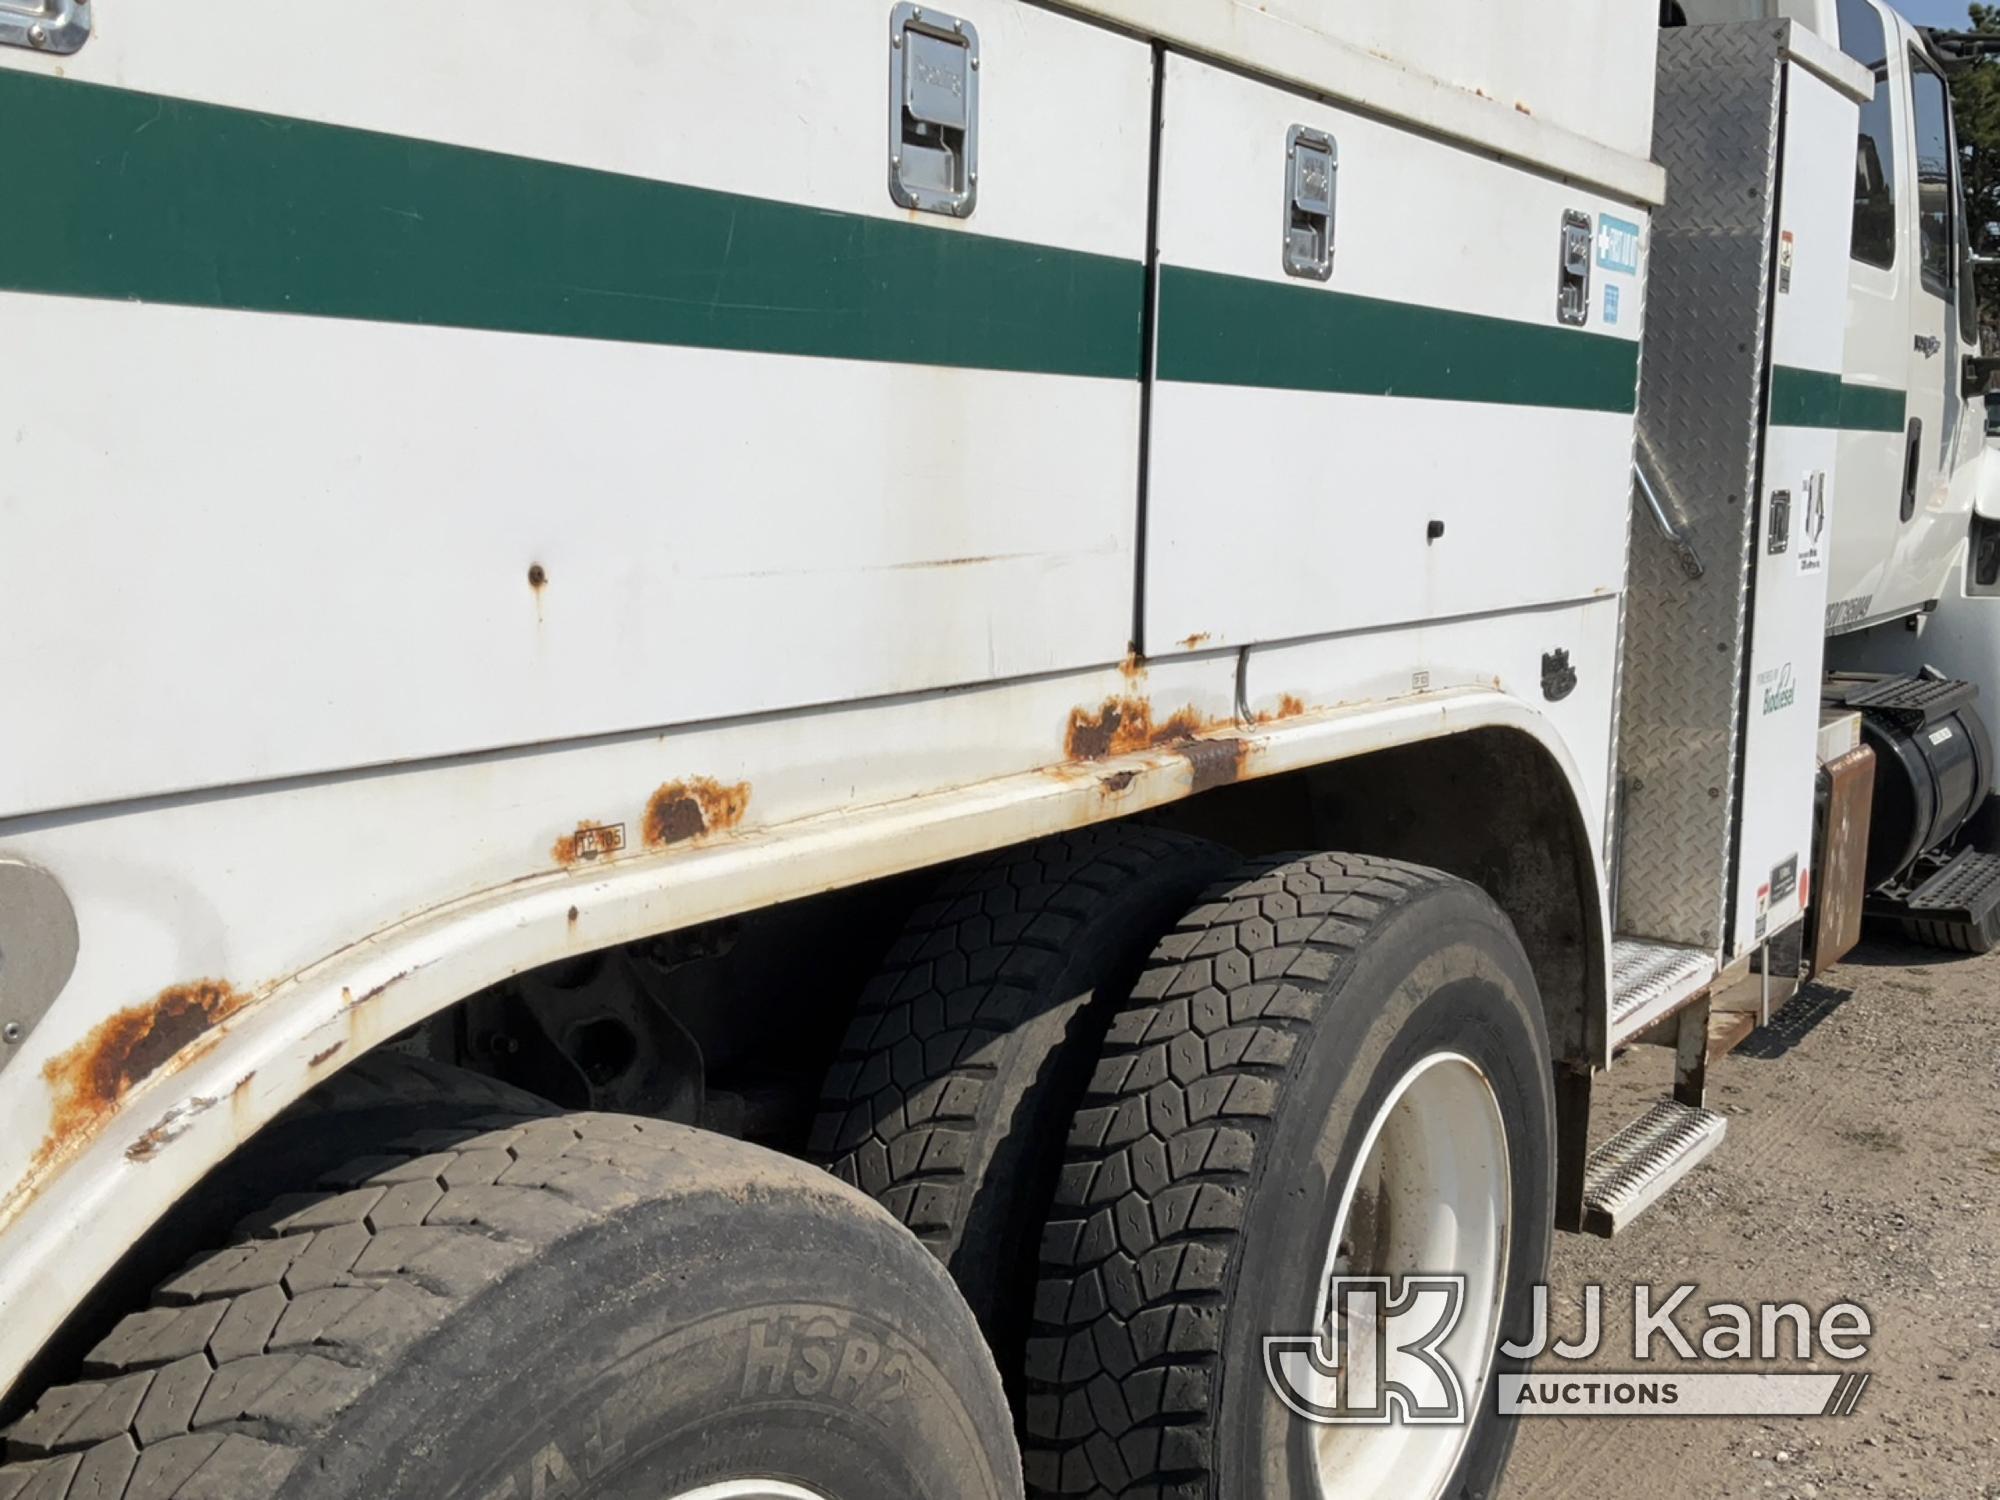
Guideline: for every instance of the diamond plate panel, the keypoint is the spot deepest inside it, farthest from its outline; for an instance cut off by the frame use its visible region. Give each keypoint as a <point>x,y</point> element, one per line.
<point>1637,1165</point>
<point>1701,388</point>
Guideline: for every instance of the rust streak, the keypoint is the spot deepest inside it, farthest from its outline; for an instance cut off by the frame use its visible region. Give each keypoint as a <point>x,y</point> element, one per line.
<point>1290,706</point>
<point>683,810</point>
<point>321,1056</point>
<point>91,1079</point>
<point>1133,667</point>
<point>367,995</point>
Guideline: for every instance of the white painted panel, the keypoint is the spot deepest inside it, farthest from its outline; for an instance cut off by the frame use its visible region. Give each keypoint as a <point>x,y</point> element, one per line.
<point>1275,514</point>
<point>1419,221</point>
<point>1249,541</point>
<point>1584,65</point>
<point>1597,130</point>
<point>1789,561</point>
<point>1503,651</point>
<point>264,546</point>
<point>773,98</point>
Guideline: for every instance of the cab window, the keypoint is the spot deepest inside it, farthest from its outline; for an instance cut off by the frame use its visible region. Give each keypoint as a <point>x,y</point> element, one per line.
<point>1937,199</point>
<point>1861,38</point>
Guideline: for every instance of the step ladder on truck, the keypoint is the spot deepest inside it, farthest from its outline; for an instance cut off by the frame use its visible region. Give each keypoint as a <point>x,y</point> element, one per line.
<point>820,812</point>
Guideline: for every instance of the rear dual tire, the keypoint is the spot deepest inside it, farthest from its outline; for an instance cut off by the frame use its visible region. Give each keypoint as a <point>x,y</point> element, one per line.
<point>1314,1025</point>
<point>524,1304</point>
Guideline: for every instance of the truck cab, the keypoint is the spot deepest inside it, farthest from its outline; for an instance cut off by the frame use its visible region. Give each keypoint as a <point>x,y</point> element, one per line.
<point>1910,435</point>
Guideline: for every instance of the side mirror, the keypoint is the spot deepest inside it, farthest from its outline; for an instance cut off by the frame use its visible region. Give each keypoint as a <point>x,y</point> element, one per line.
<point>1977,376</point>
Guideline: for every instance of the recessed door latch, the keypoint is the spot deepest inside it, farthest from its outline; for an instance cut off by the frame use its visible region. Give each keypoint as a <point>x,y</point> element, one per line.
<point>1312,161</point>
<point>1573,283</point>
<point>56,26</point>
<point>933,111</point>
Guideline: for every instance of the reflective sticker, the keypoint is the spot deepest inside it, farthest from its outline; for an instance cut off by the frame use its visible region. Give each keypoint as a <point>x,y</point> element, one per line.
<point>1617,245</point>
<point>1610,303</point>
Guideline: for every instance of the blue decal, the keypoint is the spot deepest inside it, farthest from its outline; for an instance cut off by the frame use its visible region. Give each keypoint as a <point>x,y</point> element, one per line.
<point>1610,303</point>
<point>1617,245</point>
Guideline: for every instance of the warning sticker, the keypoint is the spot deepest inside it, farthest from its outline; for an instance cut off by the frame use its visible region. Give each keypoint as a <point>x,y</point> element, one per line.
<point>1785,249</point>
<point>1812,523</point>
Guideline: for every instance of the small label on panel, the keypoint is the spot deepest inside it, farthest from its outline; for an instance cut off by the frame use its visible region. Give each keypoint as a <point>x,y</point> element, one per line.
<point>1781,521</point>
<point>1617,245</point>
<point>1763,910</point>
<point>1785,879</point>
<point>1785,263</point>
<point>1939,735</point>
<point>1812,523</point>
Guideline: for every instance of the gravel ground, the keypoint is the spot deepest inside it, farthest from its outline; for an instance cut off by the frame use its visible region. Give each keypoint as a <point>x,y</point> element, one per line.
<point>1862,1164</point>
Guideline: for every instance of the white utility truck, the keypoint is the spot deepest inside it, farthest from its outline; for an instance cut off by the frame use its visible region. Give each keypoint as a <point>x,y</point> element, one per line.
<point>1093,615</point>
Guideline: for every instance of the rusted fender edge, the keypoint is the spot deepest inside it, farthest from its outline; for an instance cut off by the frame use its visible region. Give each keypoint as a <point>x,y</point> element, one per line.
<point>259,1056</point>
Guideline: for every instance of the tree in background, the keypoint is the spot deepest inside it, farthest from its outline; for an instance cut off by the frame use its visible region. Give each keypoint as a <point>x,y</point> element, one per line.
<point>1975,92</point>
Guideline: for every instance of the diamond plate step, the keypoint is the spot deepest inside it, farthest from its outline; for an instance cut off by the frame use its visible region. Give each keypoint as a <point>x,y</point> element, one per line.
<point>1957,907</point>
<point>1628,1173</point>
<point>1650,980</point>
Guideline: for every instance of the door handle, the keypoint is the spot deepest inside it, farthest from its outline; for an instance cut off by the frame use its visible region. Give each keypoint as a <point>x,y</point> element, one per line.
<point>1913,458</point>
<point>1928,346</point>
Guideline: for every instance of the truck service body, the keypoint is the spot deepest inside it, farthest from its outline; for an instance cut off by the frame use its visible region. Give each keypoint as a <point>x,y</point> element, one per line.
<point>493,500</point>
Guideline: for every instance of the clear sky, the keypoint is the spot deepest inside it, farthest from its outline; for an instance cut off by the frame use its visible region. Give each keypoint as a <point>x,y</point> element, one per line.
<point>1949,13</point>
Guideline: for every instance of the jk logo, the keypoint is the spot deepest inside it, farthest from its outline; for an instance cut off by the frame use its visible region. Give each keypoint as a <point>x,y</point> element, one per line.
<point>1377,1358</point>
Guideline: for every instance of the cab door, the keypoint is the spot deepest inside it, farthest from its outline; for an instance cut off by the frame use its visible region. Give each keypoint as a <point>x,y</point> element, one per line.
<point>1931,425</point>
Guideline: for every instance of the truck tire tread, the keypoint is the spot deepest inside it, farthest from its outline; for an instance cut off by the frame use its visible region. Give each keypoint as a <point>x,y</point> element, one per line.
<point>213,1391</point>
<point>1124,1356</point>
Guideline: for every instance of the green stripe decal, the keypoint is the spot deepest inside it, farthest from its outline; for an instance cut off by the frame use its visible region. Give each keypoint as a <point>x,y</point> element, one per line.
<point>1813,398</point>
<point>1226,330</point>
<point>131,196</point>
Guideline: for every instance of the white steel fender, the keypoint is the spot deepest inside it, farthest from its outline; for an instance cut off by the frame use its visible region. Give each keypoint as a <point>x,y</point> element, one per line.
<point>269,1050</point>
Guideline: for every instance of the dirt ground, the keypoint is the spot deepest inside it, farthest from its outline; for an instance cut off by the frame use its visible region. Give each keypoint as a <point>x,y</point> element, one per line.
<point>1862,1164</point>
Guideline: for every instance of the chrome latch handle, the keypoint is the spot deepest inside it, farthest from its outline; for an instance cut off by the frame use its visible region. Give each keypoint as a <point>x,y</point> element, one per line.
<point>1312,165</point>
<point>933,111</point>
<point>54,26</point>
<point>1573,269</point>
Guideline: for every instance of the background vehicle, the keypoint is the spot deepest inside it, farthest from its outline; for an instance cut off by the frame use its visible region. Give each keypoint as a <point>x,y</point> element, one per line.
<point>597,610</point>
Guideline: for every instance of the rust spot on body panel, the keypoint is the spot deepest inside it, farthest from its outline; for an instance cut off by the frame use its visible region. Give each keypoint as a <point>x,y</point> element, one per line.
<point>1214,762</point>
<point>1190,642</point>
<point>324,1053</point>
<point>1125,726</point>
<point>1133,667</point>
<point>1116,782</point>
<point>683,810</point>
<point>91,1079</point>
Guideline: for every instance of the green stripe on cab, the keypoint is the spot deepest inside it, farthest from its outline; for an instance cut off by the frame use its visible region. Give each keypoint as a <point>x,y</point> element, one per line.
<point>1813,398</point>
<point>137,197</point>
<point>1229,330</point>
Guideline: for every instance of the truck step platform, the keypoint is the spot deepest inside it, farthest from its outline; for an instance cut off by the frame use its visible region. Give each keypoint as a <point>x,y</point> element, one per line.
<point>1650,980</point>
<point>1631,1170</point>
<point>1958,907</point>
